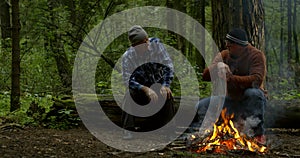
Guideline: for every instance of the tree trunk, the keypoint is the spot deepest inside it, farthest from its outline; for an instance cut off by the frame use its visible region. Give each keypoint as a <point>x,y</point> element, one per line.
<point>199,15</point>
<point>289,38</point>
<point>229,14</point>
<point>297,64</point>
<point>15,72</point>
<point>235,13</point>
<point>220,22</point>
<point>71,7</point>
<point>281,38</point>
<point>295,32</point>
<point>180,42</point>
<point>57,49</point>
<point>5,19</point>
<point>253,20</point>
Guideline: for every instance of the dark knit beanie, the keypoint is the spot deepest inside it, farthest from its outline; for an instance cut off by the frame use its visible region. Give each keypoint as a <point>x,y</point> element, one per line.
<point>238,36</point>
<point>136,34</point>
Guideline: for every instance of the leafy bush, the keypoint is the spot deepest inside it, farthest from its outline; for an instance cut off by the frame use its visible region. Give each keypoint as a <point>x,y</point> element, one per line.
<point>46,111</point>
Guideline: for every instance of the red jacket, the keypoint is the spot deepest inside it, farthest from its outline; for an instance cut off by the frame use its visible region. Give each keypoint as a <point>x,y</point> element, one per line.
<point>248,70</point>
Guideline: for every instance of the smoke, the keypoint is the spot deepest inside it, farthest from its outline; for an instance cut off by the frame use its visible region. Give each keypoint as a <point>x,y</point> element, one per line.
<point>248,125</point>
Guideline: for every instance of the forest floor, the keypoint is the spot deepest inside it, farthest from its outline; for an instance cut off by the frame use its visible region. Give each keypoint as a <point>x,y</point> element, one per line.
<point>78,142</point>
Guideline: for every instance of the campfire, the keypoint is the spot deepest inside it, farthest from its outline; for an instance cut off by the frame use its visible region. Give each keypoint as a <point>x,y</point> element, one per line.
<point>224,137</point>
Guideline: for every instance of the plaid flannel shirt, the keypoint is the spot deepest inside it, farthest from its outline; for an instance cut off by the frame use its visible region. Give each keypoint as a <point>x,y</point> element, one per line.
<point>155,66</point>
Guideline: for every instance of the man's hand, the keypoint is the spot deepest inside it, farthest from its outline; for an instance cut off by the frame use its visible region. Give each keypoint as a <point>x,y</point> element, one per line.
<point>223,70</point>
<point>166,92</point>
<point>150,93</point>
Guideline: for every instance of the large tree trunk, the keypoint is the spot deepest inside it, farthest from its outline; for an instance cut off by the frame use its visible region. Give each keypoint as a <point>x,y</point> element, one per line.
<point>245,14</point>
<point>235,12</point>
<point>15,72</point>
<point>253,21</point>
<point>220,22</point>
<point>5,19</point>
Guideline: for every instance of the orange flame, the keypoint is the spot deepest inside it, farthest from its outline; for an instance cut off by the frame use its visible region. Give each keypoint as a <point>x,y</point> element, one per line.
<point>227,137</point>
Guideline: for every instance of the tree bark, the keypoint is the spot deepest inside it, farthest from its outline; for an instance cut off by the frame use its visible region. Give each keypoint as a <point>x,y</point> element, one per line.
<point>5,19</point>
<point>245,14</point>
<point>220,22</point>
<point>253,21</point>
<point>235,13</point>
<point>15,72</point>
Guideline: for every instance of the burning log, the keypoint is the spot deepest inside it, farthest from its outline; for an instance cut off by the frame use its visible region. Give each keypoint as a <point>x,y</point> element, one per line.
<point>224,138</point>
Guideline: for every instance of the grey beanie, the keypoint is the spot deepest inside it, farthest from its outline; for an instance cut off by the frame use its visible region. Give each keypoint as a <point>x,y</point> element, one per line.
<point>136,34</point>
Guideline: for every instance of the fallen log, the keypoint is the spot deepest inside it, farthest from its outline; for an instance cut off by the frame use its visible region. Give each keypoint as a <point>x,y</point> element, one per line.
<point>278,113</point>
<point>282,114</point>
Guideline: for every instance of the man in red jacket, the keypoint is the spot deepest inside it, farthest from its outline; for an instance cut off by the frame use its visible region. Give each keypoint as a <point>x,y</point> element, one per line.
<point>243,67</point>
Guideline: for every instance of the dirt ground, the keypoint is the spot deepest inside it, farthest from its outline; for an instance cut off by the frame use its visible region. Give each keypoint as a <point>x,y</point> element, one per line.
<point>41,142</point>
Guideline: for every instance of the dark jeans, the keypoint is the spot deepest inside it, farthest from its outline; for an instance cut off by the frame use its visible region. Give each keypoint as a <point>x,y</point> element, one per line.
<point>249,110</point>
<point>147,123</point>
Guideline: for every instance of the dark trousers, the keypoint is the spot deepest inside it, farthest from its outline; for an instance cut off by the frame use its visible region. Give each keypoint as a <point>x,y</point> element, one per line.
<point>159,119</point>
<point>248,112</point>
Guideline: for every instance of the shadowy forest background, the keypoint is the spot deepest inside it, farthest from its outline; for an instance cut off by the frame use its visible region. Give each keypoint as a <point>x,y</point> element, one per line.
<point>40,39</point>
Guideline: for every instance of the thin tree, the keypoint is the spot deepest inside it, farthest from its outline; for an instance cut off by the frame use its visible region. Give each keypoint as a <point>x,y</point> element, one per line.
<point>198,13</point>
<point>5,19</point>
<point>295,37</point>
<point>281,38</point>
<point>15,72</point>
<point>295,32</point>
<point>180,42</point>
<point>80,18</point>
<point>289,38</point>
<point>57,48</point>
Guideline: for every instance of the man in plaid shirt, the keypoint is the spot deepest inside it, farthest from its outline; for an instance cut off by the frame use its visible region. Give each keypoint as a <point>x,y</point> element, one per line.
<point>144,64</point>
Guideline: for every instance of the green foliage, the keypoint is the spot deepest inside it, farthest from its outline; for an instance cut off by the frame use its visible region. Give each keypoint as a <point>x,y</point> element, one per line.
<point>45,111</point>
<point>5,64</point>
<point>186,154</point>
<point>61,115</point>
<point>4,103</point>
<point>103,88</point>
<point>204,87</point>
<point>64,119</point>
<point>284,89</point>
<point>22,116</point>
<point>287,95</point>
